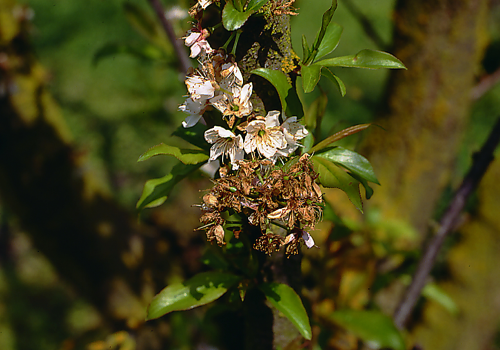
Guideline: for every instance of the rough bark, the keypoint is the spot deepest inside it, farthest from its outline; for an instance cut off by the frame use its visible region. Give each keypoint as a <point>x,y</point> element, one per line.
<point>441,43</point>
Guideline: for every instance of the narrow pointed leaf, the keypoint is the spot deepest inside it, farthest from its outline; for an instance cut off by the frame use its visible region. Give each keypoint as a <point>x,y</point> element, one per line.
<point>330,40</point>
<point>374,328</point>
<point>338,136</point>
<point>193,135</point>
<point>310,77</point>
<point>336,80</point>
<point>315,112</point>
<point>186,156</point>
<point>325,21</point>
<point>238,5</point>
<point>290,102</point>
<point>370,59</point>
<point>284,298</point>
<point>199,290</point>
<point>331,175</point>
<point>305,49</point>
<point>156,191</point>
<point>352,161</point>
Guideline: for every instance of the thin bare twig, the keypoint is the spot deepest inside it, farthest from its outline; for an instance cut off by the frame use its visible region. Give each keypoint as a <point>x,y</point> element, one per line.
<point>485,84</point>
<point>367,25</point>
<point>481,161</point>
<point>179,48</point>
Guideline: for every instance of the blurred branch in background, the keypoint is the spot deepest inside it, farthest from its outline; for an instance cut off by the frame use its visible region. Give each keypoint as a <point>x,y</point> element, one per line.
<point>448,222</point>
<point>177,43</point>
<point>366,24</point>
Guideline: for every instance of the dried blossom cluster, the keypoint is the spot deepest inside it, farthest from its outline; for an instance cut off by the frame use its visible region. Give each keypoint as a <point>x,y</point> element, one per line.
<point>254,185</point>
<point>266,196</point>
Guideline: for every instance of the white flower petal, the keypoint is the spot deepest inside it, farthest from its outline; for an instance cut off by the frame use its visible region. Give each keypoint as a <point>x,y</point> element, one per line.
<point>191,38</point>
<point>195,50</point>
<point>204,3</point>
<point>191,120</point>
<point>308,239</point>
<point>272,119</point>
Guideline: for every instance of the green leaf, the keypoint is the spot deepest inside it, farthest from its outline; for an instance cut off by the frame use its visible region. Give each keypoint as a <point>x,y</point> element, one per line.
<point>352,161</point>
<point>290,102</point>
<point>327,18</point>
<point>336,80</point>
<point>316,111</point>
<point>310,77</point>
<point>370,59</point>
<point>144,52</point>
<point>330,175</point>
<point>288,302</point>
<point>187,156</point>
<point>305,49</point>
<point>200,290</point>
<point>255,5</point>
<point>330,40</point>
<point>194,135</point>
<point>374,328</point>
<point>156,191</point>
<point>339,136</point>
<point>232,18</point>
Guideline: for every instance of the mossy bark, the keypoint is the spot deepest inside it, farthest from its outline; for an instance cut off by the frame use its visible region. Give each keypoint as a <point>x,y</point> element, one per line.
<point>441,43</point>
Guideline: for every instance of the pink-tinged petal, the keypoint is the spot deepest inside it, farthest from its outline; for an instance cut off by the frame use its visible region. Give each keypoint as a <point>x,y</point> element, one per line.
<point>191,38</point>
<point>195,50</point>
<point>308,239</point>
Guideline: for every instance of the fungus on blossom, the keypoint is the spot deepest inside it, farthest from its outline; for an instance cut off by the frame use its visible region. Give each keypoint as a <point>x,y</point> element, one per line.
<point>200,87</point>
<point>265,135</point>
<point>225,143</point>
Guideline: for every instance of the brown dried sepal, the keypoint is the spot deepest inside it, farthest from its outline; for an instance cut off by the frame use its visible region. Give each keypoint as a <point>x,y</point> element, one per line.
<point>269,243</point>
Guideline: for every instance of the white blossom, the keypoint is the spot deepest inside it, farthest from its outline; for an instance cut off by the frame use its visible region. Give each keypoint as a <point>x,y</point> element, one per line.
<point>225,142</point>
<point>234,104</point>
<point>265,136</point>
<point>293,132</point>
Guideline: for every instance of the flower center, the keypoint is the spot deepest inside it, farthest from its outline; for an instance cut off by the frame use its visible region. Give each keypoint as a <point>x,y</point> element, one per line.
<point>262,133</point>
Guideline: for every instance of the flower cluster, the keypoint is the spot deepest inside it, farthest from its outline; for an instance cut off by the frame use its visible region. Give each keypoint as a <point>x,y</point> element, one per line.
<point>263,192</point>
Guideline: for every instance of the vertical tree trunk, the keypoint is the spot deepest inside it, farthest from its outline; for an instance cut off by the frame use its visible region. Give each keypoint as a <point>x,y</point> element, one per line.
<point>441,42</point>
